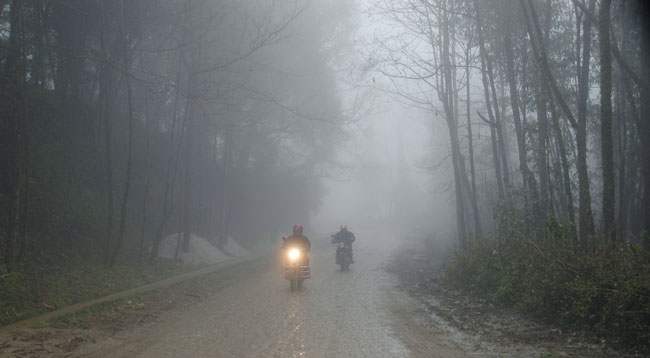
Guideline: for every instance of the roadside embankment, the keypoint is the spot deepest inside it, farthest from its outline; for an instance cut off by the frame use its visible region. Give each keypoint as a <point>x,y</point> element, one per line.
<point>51,286</point>
<point>483,326</point>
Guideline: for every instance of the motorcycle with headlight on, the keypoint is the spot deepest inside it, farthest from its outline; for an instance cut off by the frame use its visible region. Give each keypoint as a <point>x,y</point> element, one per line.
<point>295,267</point>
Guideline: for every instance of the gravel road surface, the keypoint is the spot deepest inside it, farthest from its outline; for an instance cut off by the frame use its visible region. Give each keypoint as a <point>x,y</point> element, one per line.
<point>252,313</point>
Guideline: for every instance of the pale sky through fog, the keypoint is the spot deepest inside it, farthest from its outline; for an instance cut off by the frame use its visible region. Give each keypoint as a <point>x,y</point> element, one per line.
<point>376,182</point>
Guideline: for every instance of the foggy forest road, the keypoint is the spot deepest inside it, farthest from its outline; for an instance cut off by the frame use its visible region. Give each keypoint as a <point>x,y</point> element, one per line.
<point>359,313</point>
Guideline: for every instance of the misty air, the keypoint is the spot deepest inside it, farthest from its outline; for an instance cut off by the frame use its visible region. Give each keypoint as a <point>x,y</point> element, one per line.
<point>325,178</point>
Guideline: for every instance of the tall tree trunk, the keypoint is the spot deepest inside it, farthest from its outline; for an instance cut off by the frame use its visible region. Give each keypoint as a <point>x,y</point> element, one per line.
<point>622,140</point>
<point>452,124</point>
<point>607,142</point>
<point>226,189</point>
<point>191,120</point>
<point>41,10</point>
<point>105,100</point>
<point>586,219</point>
<point>527,176</point>
<point>106,115</point>
<point>470,140</point>
<point>542,160</point>
<point>644,130</point>
<point>171,174</point>
<point>629,168</point>
<point>566,175</point>
<point>495,101</point>
<point>129,160</point>
<point>187,185</point>
<point>486,90</point>
<point>145,201</point>
<point>499,128</point>
<point>15,103</point>
<point>542,125</point>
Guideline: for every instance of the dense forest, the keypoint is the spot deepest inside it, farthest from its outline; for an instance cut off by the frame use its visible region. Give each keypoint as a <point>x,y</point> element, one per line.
<point>547,108</point>
<point>543,100</point>
<point>125,121</point>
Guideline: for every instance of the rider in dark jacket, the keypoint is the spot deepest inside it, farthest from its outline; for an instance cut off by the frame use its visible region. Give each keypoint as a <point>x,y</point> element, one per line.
<point>346,237</point>
<point>297,240</point>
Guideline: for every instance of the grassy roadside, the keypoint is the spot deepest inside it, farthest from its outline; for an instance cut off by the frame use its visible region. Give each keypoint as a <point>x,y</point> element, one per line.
<point>604,292</point>
<point>72,319</point>
<point>44,286</point>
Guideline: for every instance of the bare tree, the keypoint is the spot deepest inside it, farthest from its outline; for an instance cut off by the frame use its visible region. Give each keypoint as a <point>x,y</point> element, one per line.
<point>607,146</point>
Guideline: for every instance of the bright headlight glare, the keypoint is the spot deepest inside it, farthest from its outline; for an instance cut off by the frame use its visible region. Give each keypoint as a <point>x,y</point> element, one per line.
<point>294,254</point>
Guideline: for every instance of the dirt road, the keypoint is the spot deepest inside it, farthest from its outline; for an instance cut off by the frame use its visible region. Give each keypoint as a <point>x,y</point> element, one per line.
<point>359,313</point>
<point>247,310</point>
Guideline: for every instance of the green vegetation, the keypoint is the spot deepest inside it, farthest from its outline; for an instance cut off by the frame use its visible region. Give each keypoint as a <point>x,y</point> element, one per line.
<point>95,310</point>
<point>601,290</point>
<point>56,282</point>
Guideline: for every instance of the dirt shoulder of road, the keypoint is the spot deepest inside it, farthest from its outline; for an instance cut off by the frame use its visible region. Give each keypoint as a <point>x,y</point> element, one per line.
<point>481,328</point>
<point>65,332</point>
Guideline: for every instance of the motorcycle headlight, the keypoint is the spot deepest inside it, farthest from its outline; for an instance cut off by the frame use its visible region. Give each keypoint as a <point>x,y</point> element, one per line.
<point>294,254</point>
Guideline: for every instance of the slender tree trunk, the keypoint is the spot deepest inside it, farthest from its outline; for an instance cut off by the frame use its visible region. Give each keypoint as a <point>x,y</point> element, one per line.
<point>486,90</point>
<point>470,140</point>
<point>171,175</point>
<point>644,130</point>
<point>109,171</point>
<point>226,189</point>
<point>526,174</point>
<point>542,125</point>
<point>622,139</point>
<point>191,120</point>
<point>607,142</point>
<point>15,97</point>
<point>542,159</point>
<point>586,219</point>
<point>105,95</point>
<point>456,109</point>
<point>145,200</point>
<point>629,168</point>
<point>566,175</point>
<point>147,185</point>
<point>187,186</point>
<point>495,101</point>
<point>129,160</point>
<point>557,198</point>
<point>499,128</point>
<point>452,124</point>
<point>38,67</point>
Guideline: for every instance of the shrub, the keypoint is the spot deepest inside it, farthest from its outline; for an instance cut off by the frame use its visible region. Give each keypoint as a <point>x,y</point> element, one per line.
<point>603,291</point>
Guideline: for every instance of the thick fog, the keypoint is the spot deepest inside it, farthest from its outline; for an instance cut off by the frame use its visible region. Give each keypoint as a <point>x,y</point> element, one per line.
<point>389,178</point>
<point>133,121</point>
<point>506,140</point>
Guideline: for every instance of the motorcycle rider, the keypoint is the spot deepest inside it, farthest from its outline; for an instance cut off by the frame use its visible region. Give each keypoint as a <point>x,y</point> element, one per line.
<point>345,236</point>
<point>298,240</point>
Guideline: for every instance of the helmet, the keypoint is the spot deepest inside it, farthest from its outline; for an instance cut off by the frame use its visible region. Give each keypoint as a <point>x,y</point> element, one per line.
<point>297,229</point>
<point>344,227</point>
